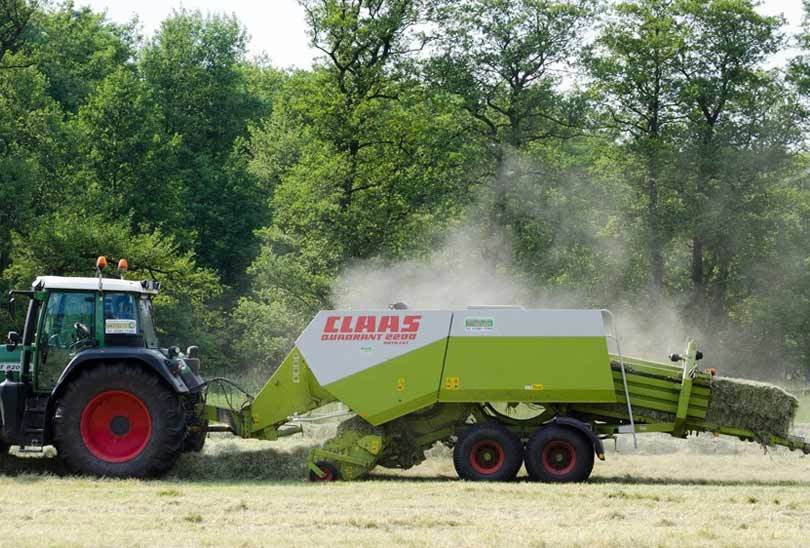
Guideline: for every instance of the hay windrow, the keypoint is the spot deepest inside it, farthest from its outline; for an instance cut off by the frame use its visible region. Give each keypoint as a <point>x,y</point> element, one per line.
<point>229,460</point>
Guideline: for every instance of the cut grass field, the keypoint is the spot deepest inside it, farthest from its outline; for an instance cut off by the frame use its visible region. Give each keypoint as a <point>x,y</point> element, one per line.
<point>703,492</point>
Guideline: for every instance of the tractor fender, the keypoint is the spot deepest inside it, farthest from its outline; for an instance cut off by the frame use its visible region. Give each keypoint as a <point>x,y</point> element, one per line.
<point>150,359</point>
<point>598,446</point>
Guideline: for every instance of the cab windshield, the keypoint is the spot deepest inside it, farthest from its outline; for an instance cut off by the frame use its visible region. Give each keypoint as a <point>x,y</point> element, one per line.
<point>129,320</point>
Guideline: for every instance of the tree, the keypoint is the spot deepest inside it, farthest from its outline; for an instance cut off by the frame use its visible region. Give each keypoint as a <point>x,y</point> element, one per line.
<point>31,142</point>
<point>362,161</point>
<point>15,18</point>
<point>361,42</point>
<point>193,68</point>
<point>127,164</point>
<point>725,42</point>
<point>799,66</point>
<point>633,64</point>
<point>76,49</point>
<point>502,60</point>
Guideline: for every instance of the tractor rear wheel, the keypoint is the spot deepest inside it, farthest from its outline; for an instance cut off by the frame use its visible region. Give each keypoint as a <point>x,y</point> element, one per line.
<point>558,454</point>
<point>119,421</point>
<point>487,452</point>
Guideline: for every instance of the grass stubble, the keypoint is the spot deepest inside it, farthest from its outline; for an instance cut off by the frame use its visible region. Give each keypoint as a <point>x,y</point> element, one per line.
<point>706,491</point>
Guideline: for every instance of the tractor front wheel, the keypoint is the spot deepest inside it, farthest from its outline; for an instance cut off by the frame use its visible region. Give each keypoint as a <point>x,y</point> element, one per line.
<point>487,452</point>
<point>119,421</point>
<point>558,454</point>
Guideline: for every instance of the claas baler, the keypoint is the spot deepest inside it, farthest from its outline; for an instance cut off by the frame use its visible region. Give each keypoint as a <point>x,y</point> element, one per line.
<point>503,385</point>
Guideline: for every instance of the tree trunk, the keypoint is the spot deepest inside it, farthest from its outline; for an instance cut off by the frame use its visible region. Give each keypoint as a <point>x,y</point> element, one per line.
<point>492,252</point>
<point>705,170</point>
<point>653,222</point>
<point>697,266</point>
<point>348,181</point>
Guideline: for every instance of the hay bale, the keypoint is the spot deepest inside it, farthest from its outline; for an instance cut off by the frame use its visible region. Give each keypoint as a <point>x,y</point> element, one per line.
<point>762,408</point>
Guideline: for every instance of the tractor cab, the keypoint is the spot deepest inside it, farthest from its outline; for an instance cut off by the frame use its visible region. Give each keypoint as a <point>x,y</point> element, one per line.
<point>68,315</point>
<point>87,375</point>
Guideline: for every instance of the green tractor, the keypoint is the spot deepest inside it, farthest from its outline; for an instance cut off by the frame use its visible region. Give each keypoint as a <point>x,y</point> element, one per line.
<point>88,376</point>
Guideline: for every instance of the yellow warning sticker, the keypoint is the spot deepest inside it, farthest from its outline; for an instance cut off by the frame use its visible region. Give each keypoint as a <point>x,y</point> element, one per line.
<point>400,384</point>
<point>452,383</point>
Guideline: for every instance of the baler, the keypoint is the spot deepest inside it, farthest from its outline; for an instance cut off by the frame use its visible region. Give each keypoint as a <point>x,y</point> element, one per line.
<point>504,385</point>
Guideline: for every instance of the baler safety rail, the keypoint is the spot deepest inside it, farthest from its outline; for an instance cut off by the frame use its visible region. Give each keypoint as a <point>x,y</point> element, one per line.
<point>607,313</point>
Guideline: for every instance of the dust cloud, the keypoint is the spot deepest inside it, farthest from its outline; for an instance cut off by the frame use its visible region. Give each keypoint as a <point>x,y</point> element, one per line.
<point>474,265</point>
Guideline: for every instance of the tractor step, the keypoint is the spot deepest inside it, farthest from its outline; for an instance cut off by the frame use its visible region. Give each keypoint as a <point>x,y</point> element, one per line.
<point>34,421</point>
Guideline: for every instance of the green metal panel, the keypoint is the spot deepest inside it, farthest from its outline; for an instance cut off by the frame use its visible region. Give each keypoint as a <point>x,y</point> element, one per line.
<point>99,328</point>
<point>658,383</point>
<point>10,361</point>
<point>395,387</point>
<point>527,369</point>
<point>291,389</point>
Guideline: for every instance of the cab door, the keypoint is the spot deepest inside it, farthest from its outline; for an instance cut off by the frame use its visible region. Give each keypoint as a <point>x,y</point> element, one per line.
<point>58,336</point>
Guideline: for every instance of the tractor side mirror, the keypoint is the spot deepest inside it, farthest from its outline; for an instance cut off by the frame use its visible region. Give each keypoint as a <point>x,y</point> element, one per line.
<point>12,308</point>
<point>12,340</point>
<point>82,330</point>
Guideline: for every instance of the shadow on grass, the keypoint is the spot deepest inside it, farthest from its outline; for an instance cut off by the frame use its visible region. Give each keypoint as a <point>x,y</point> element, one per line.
<point>382,476</point>
<point>30,467</point>
<point>643,480</point>
<point>224,463</point>
<point>227,462</point>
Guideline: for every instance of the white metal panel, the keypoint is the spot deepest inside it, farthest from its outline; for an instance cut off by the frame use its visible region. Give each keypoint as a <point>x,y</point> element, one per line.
<point>89,284</point>
<point>339,343</point>
<point>495,322</point>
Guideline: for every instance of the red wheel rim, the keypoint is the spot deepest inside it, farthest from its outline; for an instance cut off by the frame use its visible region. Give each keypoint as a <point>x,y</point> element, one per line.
<point>487,456</point>
<point>559,457</point>
<point>116,426</point>
<point>328,474</point>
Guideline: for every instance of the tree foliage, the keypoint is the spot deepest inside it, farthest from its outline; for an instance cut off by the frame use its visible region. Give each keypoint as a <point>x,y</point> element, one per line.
<point>643,154</point>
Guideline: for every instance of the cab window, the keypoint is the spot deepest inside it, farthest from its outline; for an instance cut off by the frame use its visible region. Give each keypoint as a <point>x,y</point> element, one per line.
<point>121,322</point>
<point>62,313</point>
<point>59,334</point>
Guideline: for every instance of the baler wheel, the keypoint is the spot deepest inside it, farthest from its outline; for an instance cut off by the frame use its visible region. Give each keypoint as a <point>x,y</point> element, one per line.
<point>329,469</point>
<point>558,454</point>
<point>119,420</point>
<point>487,452</point>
